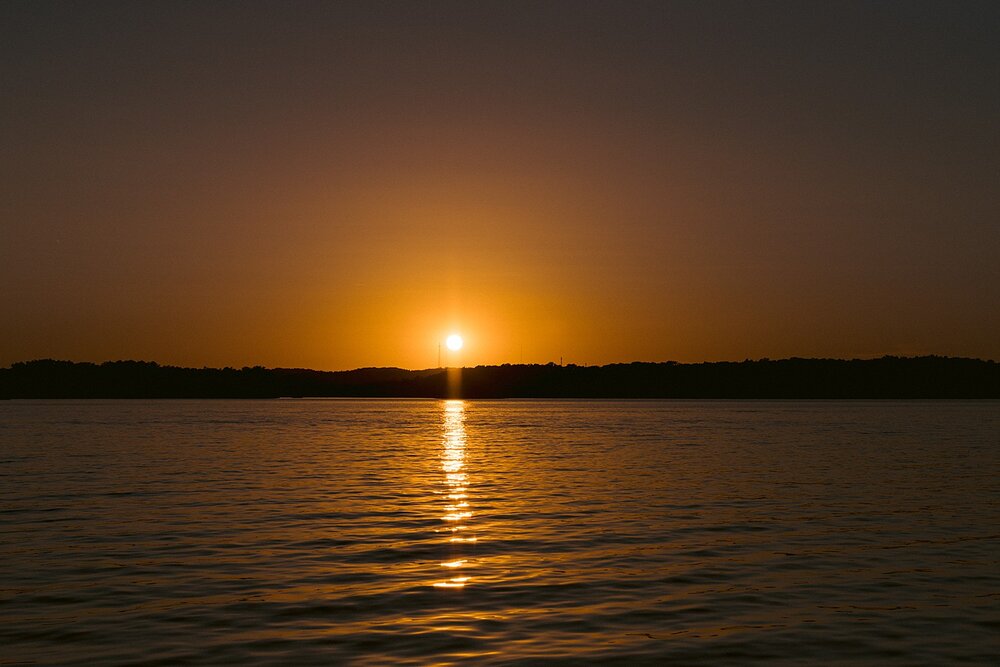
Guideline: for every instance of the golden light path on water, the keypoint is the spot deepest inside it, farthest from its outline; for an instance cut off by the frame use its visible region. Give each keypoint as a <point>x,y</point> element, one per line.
<point>456,509</point>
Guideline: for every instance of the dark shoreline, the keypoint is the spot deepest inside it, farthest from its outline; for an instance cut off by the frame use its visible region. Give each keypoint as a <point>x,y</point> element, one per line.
<point>885,377</point>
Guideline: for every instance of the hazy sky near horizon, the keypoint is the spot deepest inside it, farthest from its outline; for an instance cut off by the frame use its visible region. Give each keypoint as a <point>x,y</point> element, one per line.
<point>335,185</point>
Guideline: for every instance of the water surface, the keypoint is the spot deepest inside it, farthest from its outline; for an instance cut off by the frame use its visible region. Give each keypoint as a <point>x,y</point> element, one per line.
<point>382,532</point>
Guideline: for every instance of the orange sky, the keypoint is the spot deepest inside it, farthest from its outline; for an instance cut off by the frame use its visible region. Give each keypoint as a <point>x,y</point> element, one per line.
<point>336,187</point>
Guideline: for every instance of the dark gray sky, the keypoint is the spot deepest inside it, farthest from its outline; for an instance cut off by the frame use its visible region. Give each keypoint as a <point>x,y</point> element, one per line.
<point>341,185</point>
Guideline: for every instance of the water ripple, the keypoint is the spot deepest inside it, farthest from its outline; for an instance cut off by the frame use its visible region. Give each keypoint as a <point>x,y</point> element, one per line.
<point>564,532</point>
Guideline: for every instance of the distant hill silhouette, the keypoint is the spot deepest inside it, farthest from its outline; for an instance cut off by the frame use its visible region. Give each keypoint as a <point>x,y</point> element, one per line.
<point>887,377</point>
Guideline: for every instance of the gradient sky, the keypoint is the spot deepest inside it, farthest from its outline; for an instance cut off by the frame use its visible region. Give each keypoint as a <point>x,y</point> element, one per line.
<point>341,185</point>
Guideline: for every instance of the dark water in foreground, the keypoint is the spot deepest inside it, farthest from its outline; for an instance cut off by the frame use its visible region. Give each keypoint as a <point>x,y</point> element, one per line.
<point>326,532</point>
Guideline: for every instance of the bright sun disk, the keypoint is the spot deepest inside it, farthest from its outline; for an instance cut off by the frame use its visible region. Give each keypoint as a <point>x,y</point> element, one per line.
<point>454,342</point>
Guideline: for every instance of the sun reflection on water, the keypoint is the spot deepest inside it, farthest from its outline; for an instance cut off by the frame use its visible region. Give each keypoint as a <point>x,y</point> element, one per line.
<point>456,509</point>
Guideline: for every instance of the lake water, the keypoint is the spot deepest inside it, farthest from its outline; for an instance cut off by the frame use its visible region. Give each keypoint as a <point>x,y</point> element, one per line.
<point>633,532</point>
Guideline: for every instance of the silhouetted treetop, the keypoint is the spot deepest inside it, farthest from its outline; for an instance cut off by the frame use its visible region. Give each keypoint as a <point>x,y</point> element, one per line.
<point>887,377</point>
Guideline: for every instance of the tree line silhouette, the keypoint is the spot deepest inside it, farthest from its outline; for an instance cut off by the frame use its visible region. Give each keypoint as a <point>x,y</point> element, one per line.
<point>886,377</point>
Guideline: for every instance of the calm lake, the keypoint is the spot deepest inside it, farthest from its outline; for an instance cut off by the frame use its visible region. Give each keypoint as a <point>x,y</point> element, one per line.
<point>384,532</point>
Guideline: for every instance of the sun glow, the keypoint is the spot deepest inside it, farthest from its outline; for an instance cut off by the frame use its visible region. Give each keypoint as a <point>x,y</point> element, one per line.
<point>454,342</point>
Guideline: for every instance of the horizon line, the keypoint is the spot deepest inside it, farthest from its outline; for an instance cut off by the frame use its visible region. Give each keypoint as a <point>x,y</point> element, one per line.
<point>498,365</point>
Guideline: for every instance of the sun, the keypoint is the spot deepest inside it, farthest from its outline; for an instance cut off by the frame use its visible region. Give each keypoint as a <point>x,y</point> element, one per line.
<point>454,342</point>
